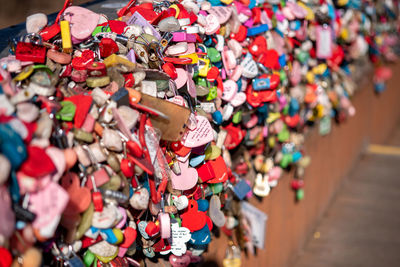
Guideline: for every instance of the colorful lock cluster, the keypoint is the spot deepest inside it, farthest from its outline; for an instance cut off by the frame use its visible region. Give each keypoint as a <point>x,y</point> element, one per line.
<point>137,137</point>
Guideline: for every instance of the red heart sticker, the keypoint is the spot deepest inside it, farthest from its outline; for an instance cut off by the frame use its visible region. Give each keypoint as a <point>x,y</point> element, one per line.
<point>38,163</point>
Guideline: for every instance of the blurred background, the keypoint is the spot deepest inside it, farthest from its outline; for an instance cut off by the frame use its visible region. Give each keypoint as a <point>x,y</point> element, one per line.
<point>15,11</point>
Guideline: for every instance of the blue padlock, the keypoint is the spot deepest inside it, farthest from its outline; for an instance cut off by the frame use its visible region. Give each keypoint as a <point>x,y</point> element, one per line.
<point>201,237</point>
<point>241,189</point>
<point>12,146</point>
<point>257,30</point>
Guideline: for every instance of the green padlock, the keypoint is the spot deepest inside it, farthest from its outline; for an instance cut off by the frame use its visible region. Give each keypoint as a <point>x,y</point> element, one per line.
<point>214,54</point>
<point>212,94</point>
<point>286,160</point>
<point>283,135</point>
<point>237,117</point>
<point>67,112</point>
<point>300,194</point>
<point>216,188</point>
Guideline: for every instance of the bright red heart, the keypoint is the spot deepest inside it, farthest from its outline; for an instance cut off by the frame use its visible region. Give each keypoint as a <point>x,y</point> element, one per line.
<point>108,47</point>
<point>80,63</point>
<point>240,35</point>
<point>38,163</point>
<point>130,235</point>
<point>152,229</point>
<point>258,46</point>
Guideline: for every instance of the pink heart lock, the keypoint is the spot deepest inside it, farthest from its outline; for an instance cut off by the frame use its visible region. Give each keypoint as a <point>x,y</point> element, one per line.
<point>83,22</point>
<point>202,135</point>
<point>191,87</point>
<point>238,99</point>
<point>181,261</point>
<point>182,77</point>
<point>58,158</point>
<point>47,204</point>
<point>297,10</point>
<point>230,90</point>
<point>287,12</point>
<point>187,179</point>
<point>223,13</point>
<point>213,24</point>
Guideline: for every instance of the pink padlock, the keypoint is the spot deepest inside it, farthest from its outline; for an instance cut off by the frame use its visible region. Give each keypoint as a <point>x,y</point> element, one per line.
<point>228,59</point>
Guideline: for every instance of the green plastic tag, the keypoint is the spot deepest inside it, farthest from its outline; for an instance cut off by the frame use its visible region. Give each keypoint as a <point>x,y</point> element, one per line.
<point>67,112</point>
<point>212,94</point>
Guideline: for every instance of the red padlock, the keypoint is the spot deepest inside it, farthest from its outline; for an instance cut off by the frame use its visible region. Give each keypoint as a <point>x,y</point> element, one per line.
<point>127,167</point>
<point>96,69</point>
<point>134,149</point>
<point>170,69</point>
<point>30,52</point>
<point>108,47</point>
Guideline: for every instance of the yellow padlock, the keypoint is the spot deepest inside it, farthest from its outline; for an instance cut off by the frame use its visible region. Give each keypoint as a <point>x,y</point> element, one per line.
<point>114,60</point>
<point>310,77</point>
<point>66,36</point>
<point>204,64</point>
<point>194,57</point>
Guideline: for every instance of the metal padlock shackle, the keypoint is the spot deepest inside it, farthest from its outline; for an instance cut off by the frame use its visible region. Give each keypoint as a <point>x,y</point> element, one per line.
<point>33,38</point>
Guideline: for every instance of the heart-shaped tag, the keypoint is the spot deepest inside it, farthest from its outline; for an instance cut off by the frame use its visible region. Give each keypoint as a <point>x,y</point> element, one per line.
<point>152,229</point>
<point>58,158</point>
<point>238,99</point>
<point>180,202</point>
<point>79,197</point>
<point>140,199</point>
<point>193,219</point>
<point>129,237</point>
<point>201,237</point>
<point>202,135</point>
<point>187,179</point>
<point>250,69</point>
<point>38,163</point>
<point>47,204</point>
<point>82,20</point>
<point>223,13</point>
<point>258,46</point>
<point>230,90</point>
<point>181,261</point>
<point>182,78</point>
<point>106,218</point>
<point>212,25</point>
<point>142,229</point>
